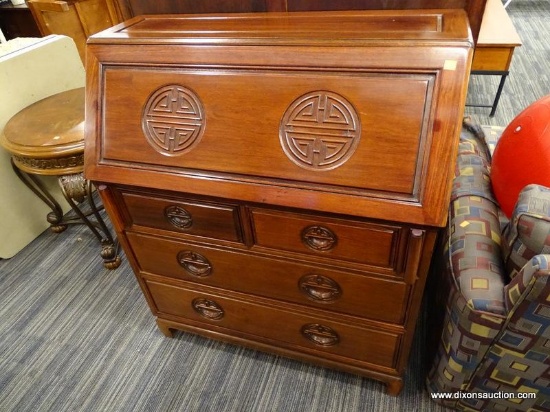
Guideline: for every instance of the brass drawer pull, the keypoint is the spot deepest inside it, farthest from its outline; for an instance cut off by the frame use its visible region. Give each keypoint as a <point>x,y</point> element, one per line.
<point>208,309</point>
<point>194,263</point>
<point>178,217</point>
<point>320,288</point>
<point>319,238</point>
<point>320,335</point>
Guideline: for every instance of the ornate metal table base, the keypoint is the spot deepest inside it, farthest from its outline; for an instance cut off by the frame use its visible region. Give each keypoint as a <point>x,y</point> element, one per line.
<point>79,194</point>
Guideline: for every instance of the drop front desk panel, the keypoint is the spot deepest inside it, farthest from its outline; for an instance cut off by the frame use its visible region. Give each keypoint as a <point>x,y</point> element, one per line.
<point>278,180</point>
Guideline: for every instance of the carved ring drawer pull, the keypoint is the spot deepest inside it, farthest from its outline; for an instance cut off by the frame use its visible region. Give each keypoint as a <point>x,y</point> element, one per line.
<point>320,288</point>
<point>319,238</point>
<point>194,263</point>
<point>320,335</point>
<point>208,308</point>
<point>178,217</point>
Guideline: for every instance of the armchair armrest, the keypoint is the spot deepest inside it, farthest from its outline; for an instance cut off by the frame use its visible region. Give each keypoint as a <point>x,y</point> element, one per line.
<point>474,232</point>
<point>475,260</point>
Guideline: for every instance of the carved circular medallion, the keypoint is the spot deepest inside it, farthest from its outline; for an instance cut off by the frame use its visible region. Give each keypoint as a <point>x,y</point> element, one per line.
<point>320,335</point>
<point>208,309</point>
<point>173,120</point>
<point>319,238</point>
<point>320,288</point>
<point>194,263</point>
<point>178,217</point>
<point>320,131</point>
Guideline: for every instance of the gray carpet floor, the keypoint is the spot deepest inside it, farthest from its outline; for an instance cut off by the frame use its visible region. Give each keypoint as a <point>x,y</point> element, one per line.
<point>77,337</point>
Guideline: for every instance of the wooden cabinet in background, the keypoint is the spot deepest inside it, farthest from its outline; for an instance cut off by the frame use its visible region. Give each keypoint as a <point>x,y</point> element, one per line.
<point>77,19</point>
<point>278,180</point>
<point>17,21</point>
<point>131,8</point>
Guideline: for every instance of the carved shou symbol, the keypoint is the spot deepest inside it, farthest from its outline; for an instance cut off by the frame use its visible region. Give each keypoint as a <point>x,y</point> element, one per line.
<point>208,309</point>
<point>320,288</point>
<point>173,120</point>
<point>320,131</point>
<point>194,263</point>
<point>178,216</point>
<point>319,238</point>
<point>320,335</point>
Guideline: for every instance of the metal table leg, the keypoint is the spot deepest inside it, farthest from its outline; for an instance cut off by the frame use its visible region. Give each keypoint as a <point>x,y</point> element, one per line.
<point>503,75</point>
<point>78,190</point>
<point>55,217</point>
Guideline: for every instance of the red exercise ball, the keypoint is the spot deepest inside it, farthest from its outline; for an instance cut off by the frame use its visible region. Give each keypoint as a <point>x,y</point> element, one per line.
<point>522,154</point>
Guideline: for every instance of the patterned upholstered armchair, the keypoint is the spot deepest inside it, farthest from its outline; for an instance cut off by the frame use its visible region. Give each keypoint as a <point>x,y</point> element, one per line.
<point>494,292</point>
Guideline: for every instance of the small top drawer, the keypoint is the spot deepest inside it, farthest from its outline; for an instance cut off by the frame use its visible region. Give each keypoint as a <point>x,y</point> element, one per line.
<point>366,243</point>
<point>213,220</point>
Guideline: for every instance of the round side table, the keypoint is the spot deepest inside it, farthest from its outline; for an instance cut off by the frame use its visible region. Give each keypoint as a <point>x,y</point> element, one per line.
<point>47,138</point>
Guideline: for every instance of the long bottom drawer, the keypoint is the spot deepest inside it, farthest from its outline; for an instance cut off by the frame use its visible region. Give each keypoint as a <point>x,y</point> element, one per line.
<point>276,325</point>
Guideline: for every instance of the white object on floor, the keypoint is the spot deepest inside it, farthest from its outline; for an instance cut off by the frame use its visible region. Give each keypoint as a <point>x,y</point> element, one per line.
<point>30,70</point>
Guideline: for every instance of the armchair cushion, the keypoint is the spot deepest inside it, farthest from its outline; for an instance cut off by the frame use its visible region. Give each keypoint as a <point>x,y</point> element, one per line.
<point>474,135</point>
<point>514,291</point>
<point>528,233</point>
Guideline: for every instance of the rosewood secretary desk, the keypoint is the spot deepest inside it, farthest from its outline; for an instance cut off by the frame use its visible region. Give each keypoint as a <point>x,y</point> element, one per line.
<point>278,180</point>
